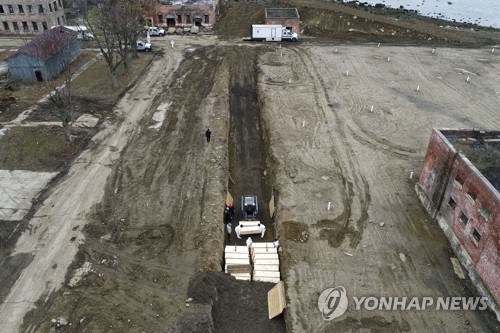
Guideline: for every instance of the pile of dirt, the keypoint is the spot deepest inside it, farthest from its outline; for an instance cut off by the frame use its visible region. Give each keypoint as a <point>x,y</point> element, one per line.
<point>359,23</point>
<point>237,306</point>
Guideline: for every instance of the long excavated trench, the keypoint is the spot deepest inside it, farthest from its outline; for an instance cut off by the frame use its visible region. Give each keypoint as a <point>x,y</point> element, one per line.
<point>241,306</point>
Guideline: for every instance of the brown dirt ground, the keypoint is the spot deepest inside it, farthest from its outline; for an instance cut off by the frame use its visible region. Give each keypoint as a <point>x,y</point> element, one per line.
<point>157,236</point>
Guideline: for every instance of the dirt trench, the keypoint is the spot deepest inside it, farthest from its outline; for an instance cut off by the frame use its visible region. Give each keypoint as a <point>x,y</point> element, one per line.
<point>241,306</point>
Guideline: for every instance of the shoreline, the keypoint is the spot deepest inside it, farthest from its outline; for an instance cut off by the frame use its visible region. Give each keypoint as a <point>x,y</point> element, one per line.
<point>404,13</point>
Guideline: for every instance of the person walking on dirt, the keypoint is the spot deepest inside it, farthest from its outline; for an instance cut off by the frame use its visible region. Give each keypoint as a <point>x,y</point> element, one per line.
<point>249,242</point>
<point>229,231</point>
<point>208,134</point>
<point>262,229</point>
<point>238,230</point>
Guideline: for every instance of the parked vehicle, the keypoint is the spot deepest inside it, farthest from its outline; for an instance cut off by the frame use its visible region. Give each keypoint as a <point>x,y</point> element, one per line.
<point>143,46</point>
<point>249,207</point>
<point>82,31</point>
<point>154,31</point>
<point>271,33</point>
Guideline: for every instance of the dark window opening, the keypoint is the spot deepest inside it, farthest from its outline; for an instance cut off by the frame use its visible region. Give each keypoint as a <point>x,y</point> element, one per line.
<point>6,26</point>
<point>44,25</point>
<point>485,213</point>
<point>21,9</point>
<point>60,4</point>
<point>206,19</point>
<point>58,21</point>
<point>55,6</point>
<point>30,9</point>
<point>39,76</point>
<point>464,218</point>
<point>472,195</point>
<point>170,22</point>
<point>40,9</point>
<point>160,18</point>
<point>50,7</point>
<point>179,18</point>
<point>15,26</point>
<point>459,180</point>
<point>11,9</point>
<point>452,203</point>
<point>188,18</point>
<point>35,26</point>
<point>476,235</point>
<point>2,11</point>
<point>25,27</point>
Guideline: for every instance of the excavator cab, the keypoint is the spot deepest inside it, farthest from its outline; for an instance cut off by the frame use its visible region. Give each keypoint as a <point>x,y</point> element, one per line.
<point>249,207</point>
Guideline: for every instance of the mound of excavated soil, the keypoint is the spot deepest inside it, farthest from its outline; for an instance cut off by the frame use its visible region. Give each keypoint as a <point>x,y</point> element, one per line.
<point>237,306</point>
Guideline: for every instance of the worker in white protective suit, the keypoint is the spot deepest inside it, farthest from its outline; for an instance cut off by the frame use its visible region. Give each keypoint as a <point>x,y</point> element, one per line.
<point>262,229</point>
<point>249,242</point>
<point>237,230</point>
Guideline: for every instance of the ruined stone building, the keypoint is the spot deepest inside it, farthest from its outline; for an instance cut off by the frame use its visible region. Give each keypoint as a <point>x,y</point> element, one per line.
<point>459,185</point>
<point>287,17</point>
<point>184,13</point>
<point>30,16</point>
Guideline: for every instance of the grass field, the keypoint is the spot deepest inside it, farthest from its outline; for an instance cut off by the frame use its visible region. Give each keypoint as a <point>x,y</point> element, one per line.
<point>44,148</point>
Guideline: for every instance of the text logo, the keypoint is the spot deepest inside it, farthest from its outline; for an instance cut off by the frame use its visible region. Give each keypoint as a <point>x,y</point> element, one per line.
<point>333,302</point>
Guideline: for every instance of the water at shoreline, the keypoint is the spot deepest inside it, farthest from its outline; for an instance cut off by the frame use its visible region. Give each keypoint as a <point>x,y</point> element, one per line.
<point>482,12</point>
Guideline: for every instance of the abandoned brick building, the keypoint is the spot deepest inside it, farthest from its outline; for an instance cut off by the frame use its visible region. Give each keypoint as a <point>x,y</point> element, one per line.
<point>184,13</point>
<point>459,185</point>
<point>287,17</point>
<point>30,17</point>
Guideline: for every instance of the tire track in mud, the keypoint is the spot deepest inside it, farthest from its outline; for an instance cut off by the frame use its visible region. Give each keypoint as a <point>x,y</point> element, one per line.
<point>149,220</point>
<point>356,198</point>
<point>186,95</point>
<point>365,136</point>
<point>359,132</point>
<point>462,96</point>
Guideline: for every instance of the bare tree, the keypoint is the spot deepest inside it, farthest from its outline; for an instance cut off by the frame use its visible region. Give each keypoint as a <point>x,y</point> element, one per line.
<point>58,46</point>
<point>62,97</point>
<point>116,25</point>
<point>100,23</point>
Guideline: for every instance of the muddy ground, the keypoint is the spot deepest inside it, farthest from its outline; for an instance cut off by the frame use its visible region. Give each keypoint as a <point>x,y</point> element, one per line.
<point>139,215</point>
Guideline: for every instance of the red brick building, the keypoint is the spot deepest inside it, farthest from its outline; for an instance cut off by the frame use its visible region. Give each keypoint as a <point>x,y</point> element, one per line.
<point>459,185</point>
<point>287,17</point>
<point>184,13</point>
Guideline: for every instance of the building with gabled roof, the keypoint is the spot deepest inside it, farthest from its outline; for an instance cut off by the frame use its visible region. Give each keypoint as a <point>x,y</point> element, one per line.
<point>45,56</point>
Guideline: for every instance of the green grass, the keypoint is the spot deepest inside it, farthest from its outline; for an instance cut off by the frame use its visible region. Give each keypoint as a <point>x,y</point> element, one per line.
<point>96,81</point>
<point>37,149</point>
<point>45,148</point>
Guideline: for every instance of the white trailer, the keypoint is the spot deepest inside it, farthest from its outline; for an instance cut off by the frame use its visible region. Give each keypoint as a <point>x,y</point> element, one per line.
<point>271,33</point>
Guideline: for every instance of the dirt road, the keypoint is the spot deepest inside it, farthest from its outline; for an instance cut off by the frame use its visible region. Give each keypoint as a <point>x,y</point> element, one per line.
<point>55,232</point>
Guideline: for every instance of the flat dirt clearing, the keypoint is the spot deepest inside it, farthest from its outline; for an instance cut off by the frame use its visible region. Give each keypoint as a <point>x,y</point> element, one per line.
<point>327,146</point>
<point>138,216</point>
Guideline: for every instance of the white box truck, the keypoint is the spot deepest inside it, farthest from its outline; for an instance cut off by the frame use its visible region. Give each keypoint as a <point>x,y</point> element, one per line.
<point>271,33</point>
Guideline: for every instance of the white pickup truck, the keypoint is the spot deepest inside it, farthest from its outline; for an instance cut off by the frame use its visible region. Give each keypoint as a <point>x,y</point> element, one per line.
<point>154,31</point>
<point>143,46</point>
